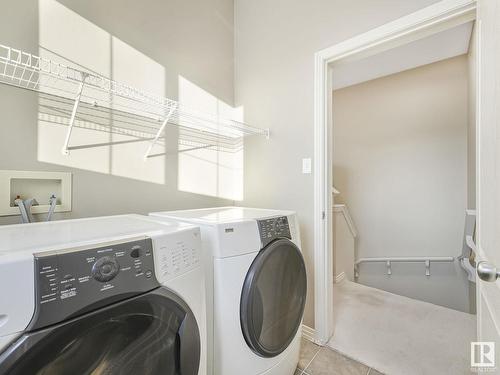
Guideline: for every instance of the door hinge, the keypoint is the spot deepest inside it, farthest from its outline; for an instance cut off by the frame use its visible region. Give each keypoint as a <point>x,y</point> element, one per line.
<point>323,215</point>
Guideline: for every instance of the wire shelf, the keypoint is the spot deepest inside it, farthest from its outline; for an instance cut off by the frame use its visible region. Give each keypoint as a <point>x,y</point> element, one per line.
<point>82,99</point>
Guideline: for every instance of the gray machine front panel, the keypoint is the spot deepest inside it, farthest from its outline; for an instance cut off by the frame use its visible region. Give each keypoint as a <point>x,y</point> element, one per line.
<point>271,229</point>
<point>71,283</point>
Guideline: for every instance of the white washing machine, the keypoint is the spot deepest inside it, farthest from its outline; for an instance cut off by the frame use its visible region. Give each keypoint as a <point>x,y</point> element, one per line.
<point>258,274</point>
<point>109,295</point>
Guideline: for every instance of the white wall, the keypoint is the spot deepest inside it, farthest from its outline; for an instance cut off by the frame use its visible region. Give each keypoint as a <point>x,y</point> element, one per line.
<point>167,47</point>
<point>400,161</point>
<point>436,47</point>
<point>344,244</point>
<point>275,42</point>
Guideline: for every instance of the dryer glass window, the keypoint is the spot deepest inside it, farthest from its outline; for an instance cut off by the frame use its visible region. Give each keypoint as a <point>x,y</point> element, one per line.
<point>273,298</point>
<point>153,334</point>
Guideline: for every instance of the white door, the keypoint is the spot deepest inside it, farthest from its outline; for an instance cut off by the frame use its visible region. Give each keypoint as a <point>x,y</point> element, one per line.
<point>488,204</point>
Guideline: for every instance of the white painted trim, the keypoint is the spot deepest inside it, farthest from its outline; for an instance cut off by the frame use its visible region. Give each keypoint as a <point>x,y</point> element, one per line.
<point>323,267</point>
<point>340,277</point>
<point>342,208</point>
<point>427,21</point>
<point>420,24</point>
<point>479,252</point>
<point>308,333</point>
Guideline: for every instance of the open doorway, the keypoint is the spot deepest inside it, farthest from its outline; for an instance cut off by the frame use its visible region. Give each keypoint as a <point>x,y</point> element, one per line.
<point>436,19</point>
<point>404,185</point>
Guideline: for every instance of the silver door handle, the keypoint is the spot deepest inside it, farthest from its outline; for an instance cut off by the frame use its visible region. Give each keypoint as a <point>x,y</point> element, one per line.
<point>487,272</point>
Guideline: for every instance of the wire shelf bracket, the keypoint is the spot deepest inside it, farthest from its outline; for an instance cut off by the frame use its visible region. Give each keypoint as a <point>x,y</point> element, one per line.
<point>160,132</point>
<point>65,150</point>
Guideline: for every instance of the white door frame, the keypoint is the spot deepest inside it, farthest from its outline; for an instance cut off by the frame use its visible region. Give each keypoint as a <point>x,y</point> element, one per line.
<point>427,21</point>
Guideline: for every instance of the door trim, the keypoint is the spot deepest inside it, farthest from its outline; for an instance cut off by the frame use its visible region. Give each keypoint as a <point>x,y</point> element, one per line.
<point>420,24</point>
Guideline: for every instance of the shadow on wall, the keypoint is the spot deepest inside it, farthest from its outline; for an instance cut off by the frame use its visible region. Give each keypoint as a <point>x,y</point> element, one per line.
<point>99,145</point>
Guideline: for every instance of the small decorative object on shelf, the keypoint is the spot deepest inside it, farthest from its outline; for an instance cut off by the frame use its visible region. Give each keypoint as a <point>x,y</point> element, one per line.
<point>91,101</point>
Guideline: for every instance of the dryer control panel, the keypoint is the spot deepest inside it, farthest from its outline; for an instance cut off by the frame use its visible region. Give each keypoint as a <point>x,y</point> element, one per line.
<point>74,281</point>
<point>273,228</point>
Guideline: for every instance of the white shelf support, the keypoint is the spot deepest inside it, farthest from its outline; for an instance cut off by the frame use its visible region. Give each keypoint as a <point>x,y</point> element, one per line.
<point>160,131</point>
<point>65,149</point>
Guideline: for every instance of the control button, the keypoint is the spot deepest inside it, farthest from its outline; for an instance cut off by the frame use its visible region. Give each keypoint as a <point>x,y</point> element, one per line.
<point>68,276</point>
<point>279,225</point>
<point>136,252</point>
<point>105,269</point>
<point>149,273</point>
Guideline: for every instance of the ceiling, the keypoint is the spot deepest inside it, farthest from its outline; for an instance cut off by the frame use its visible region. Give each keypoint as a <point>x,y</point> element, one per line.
<point>446,44</point>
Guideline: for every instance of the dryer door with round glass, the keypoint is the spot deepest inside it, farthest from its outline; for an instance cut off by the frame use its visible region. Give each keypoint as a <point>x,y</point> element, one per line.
<point>273,298</point>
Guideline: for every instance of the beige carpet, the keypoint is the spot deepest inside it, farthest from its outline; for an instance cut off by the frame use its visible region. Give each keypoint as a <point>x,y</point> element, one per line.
<point>398,335</point>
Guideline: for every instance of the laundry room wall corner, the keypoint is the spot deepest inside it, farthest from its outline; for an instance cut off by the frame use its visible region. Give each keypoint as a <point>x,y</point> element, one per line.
<point>274,79</point>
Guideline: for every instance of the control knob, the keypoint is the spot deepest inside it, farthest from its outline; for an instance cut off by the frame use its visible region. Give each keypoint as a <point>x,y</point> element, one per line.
<point>105,269</point>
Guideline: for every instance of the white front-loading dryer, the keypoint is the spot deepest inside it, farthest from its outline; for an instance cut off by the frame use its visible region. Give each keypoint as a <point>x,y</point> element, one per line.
<point>109,295</point>
<point>259,286</point>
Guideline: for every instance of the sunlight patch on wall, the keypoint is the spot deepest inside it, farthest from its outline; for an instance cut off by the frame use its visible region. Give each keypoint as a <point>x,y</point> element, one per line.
<point>71,36</point>
<point>202,169</point>
<point>137,70</point>
<point>70,39</point>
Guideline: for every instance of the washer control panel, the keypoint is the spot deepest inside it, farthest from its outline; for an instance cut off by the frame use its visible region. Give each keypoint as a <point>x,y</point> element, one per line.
<point>175,256</point>
<point>72,282</point>
<point>273,228</point>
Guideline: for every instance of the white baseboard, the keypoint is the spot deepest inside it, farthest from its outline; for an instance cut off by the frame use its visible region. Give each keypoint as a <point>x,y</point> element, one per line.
<point>308,333</point>
<point>339,277</point>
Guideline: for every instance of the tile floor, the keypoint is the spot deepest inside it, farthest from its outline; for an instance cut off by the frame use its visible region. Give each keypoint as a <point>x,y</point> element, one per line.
<point>316,360</point>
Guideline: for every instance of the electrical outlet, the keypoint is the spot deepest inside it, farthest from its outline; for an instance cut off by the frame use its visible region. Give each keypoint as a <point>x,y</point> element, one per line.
<point>306,166</point>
